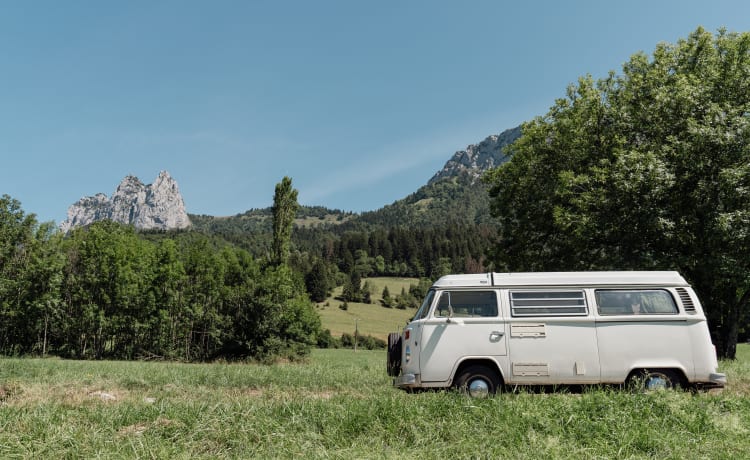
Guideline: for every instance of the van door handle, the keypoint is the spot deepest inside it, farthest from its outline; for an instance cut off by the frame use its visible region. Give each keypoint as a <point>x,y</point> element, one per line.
<point>495,336</point>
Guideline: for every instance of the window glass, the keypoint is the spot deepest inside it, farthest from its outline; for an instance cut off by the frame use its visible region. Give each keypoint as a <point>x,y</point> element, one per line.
<point>635,302</point>
<point>426,303</point>
<point>548,303</point>
<point>467,304</point>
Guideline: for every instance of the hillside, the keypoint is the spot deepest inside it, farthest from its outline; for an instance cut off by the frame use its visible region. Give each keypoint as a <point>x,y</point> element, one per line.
<point>453,194</point>
<point>443,226</point>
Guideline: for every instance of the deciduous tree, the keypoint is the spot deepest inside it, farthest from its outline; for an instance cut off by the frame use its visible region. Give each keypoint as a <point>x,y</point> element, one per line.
<point>649,169</point>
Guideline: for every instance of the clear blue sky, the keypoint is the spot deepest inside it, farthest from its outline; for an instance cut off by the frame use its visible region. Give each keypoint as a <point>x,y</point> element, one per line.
<point>360,103</point>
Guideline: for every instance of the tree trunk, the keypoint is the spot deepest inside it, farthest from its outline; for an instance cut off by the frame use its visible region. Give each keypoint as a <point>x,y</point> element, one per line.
<point>731,329</point>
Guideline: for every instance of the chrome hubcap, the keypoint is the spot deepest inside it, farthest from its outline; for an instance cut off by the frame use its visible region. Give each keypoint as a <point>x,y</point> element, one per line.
<point>478,388</point>
<point>656,382</point>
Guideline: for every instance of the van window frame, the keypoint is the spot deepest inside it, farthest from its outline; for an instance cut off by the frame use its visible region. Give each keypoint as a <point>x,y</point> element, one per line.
<point>424,309</point>
<point>542,295</point>
<point>457,310</point>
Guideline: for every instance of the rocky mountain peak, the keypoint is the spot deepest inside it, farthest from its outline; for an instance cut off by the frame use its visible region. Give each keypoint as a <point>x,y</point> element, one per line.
<point>157,206</point>
<point>478,158</point>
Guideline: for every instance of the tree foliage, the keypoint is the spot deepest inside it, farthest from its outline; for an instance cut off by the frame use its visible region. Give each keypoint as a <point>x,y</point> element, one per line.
<point>284,209</point>
<point>108,292</point>
<point>649,169</point>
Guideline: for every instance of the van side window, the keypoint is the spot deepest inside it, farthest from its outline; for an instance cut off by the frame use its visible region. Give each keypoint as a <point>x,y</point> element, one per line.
<point>635,302</point>
<point>548,303</point>
<point>467,304</point>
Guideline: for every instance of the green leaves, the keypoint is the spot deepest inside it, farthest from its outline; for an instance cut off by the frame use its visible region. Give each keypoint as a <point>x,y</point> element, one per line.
<point>647,169</point>
<point>284,209</point>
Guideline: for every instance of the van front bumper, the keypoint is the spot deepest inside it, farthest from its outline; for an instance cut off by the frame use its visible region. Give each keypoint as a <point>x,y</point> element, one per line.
<point>407,381</point>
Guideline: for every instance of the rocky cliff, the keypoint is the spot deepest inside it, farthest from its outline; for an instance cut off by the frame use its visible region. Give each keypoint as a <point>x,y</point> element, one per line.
<point>478,158</point>
<point>156,206</point>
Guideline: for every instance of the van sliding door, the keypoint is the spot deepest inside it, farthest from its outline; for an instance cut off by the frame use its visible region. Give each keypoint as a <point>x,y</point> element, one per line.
<point>552,337</point>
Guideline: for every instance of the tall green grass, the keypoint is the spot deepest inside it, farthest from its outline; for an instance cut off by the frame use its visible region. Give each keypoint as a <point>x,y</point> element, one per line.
<point>341,405</point>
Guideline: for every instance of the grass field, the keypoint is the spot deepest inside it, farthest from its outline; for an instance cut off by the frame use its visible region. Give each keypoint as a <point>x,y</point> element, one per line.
<point>371,319</point>
<point>341,405</point>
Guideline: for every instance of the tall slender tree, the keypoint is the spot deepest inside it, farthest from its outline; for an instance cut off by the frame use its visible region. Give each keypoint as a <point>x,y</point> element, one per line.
<point>284,209</point>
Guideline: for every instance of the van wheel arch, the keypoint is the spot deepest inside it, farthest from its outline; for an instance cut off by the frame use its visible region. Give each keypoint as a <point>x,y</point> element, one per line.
<point>486,372</point>
<point>648,379</point>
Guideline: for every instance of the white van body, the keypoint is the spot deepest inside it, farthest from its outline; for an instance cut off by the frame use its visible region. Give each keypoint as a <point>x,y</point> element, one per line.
<point>486,330</point>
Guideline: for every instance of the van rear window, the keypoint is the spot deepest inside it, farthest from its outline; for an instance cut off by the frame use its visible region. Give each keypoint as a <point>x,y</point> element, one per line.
<point>548,303</point>
<point>635,302</point>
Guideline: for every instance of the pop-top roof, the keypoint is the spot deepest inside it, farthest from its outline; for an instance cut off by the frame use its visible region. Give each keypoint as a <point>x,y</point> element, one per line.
<point>600,278</point>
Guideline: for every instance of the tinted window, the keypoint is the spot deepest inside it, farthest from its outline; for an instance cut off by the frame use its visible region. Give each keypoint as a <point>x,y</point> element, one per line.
<point>635,302</point>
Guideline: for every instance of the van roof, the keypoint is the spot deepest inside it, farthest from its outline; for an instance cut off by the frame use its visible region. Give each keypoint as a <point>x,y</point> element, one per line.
<point>598,278</point>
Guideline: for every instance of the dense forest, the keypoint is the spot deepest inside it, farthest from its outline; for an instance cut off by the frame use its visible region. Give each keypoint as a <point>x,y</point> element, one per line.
<point>444,227</point>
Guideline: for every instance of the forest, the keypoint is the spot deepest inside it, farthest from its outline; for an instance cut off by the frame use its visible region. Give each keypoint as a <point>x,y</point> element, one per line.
<point>107,291</point>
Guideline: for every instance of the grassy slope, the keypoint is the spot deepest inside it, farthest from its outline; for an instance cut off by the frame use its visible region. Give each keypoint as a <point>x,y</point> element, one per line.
<point>374,319</point>
<point>341,405</point>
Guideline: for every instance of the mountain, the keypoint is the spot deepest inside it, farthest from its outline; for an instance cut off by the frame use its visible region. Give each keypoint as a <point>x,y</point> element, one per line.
<point>478,158</point>
<point>453,194</point>
<point>157,206</point>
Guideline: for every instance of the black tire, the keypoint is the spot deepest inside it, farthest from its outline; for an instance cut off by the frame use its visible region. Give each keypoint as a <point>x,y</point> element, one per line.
<point>393,362</point>
<point>478,381</point>
<point>647,380</point>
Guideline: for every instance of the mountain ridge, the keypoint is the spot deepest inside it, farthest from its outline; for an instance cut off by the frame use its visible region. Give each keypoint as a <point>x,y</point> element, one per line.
<point>453,193</point>
<point>156,206</point>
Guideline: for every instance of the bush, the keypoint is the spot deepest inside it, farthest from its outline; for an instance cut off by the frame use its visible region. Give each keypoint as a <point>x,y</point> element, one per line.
<point>326,340</point>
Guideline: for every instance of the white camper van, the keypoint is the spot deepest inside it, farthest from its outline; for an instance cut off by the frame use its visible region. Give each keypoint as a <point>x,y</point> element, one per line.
<point>479,332</point>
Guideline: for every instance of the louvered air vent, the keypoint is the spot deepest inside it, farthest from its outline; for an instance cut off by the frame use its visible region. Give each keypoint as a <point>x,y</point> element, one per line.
<point>687,302</point>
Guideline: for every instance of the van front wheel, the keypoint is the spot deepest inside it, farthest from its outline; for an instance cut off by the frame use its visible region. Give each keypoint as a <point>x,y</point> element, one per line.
<point>478,381</point>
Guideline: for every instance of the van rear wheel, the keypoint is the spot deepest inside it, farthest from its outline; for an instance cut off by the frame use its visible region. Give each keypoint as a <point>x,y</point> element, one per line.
<point>478,381</point>
<point>647,380</point>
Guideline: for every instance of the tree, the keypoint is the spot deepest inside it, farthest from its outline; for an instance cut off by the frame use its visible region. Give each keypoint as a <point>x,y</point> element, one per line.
<point>387,299</point>
<point>284,209</point>
<point>106,288</point>
<point>644,170</point>
<point>352,291</point>
<point>20,285</point>
<point>318,281</point>
<point>367,293</point>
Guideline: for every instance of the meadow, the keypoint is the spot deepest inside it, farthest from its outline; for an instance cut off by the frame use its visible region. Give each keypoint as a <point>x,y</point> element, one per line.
<point>370,319</point>
<point>340,404</point>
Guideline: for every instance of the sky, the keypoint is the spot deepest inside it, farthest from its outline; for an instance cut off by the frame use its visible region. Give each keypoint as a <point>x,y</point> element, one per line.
<point>360,103</point>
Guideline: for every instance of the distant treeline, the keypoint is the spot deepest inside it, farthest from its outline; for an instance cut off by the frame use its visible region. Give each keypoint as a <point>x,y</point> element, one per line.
<point>445,227</point>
